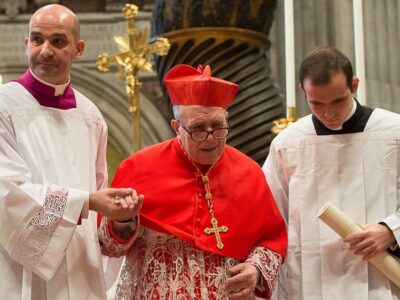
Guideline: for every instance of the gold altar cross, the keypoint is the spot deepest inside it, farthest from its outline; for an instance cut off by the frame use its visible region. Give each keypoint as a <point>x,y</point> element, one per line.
<point>134,56</point>
<point>216,230</point>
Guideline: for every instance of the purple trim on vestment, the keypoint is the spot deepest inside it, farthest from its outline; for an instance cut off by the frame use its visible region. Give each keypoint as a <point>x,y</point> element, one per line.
<point>44,94</point>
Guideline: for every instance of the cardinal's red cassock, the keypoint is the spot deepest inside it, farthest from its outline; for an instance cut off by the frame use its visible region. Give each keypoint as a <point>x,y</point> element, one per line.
<point>179,252</point>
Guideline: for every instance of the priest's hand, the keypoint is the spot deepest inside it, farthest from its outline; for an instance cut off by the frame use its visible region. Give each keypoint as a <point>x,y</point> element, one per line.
<point>242,282</point>
<point>108,203</point>
<point>375,238</point>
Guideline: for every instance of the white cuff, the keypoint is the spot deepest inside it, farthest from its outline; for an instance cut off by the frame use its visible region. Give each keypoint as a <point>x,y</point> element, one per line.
<point>85,209</point>
<point>394,247</point>
<point>75,204</point>
<point>393,222</point>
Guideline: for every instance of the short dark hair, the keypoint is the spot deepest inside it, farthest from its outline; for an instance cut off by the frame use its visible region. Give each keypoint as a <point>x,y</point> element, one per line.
<point>321,63</point>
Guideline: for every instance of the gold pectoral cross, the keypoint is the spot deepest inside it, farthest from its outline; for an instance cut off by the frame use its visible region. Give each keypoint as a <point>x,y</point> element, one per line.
<point>216,230</point>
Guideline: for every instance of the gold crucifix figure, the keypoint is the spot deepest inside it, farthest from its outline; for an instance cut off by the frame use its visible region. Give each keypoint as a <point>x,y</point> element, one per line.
<point>134,56</point>
<point>216,230</point>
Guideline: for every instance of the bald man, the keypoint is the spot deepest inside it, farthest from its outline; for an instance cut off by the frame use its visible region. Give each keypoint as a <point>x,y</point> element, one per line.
<point>52,162</point>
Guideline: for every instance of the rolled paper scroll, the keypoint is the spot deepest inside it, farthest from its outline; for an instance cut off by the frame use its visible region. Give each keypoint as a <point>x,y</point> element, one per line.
<point>343,225</point>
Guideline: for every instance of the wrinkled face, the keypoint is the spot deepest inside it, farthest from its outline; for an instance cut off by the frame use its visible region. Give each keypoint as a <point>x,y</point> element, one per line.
<point>196,118</point>
<point>51,46</point>
<point>331,103</point>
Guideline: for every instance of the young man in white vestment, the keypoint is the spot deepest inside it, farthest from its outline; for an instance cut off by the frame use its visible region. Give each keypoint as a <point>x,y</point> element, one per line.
<point>347,154</point>
<point>52,162</point>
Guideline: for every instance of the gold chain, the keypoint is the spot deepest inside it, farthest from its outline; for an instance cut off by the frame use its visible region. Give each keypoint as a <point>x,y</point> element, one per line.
<point>205,180</point>
<point>215,229</point>
<point>214,222</point>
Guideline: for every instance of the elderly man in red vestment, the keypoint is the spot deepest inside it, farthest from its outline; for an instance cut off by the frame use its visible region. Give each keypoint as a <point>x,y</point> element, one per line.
<point>209,227</point>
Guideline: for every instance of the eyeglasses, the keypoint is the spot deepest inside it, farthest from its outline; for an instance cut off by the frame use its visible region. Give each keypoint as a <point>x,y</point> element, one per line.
<point>201,135</point>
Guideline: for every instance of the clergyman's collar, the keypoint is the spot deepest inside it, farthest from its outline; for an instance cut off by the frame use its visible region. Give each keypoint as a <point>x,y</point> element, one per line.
<point>47,94</point>
<point>356,123</point>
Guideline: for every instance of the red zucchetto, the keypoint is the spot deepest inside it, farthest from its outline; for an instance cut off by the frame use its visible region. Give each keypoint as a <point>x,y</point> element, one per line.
<point>187,86</point>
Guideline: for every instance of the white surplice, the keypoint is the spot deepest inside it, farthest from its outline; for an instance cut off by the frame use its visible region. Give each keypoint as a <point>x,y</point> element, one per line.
<point>360,174</point>
<point>49,160</point>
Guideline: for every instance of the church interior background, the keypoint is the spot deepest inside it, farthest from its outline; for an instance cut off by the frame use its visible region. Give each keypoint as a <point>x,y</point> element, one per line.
<point>242,40</point>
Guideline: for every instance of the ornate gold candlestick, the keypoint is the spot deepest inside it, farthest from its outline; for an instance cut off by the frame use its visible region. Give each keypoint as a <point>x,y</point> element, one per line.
<point>283,123</point>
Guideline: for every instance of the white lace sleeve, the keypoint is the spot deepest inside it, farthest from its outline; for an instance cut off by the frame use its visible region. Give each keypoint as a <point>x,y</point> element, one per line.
<point>36,236</point>
<point>37,220</point>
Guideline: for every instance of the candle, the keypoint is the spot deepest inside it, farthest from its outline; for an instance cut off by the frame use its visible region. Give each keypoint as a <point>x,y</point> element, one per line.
<point>359,49</point>
<point>289,57</point>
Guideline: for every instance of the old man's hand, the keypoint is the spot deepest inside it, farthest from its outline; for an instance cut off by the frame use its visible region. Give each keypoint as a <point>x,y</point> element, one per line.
<point>131,203</point>
<point>242,282</point>
<point>117,204</point>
